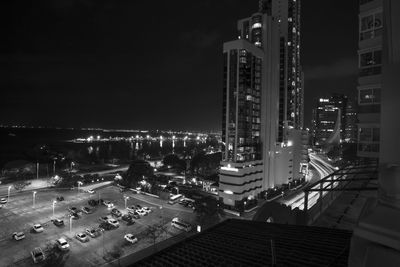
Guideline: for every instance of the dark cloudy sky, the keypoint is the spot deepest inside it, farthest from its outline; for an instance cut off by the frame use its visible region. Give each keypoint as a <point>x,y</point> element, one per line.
<point>148,64</point>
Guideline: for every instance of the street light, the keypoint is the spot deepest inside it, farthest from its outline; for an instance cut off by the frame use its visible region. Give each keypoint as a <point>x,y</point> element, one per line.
<point>54,203</point>
<point>79,183</point>
<point>9,189</point>
<point>34,196</point>
<point>70,224</point>
<point>125,198</point>
<point>37,170</point>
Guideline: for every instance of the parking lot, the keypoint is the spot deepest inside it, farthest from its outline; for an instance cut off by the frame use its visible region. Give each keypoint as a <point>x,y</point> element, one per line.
<point>19,214</point>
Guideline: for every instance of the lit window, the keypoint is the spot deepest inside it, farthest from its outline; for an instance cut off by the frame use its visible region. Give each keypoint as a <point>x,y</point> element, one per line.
<point>369,96</point>
<point>371,26</point>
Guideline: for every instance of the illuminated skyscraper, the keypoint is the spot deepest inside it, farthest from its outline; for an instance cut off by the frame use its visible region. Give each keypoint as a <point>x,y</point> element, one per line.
<point>262,104</point>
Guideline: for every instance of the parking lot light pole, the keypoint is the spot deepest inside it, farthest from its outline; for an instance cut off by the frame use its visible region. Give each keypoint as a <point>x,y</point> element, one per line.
<point>79,184</point>
<point>54,203</point>
<point>34,196</point>
<point>70,224</point>
<point>125,198</point>
<point>9,189</point>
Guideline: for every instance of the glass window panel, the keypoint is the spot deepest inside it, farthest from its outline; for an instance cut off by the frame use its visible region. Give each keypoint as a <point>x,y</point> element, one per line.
<point>378,20</point>
<point>378,57</point>
<point>367,22</point>
<point>375,134</point>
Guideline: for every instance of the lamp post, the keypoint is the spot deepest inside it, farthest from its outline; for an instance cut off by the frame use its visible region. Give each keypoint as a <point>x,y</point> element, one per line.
<point>34,196</point>
<point>54,203</point>
<point>70,224</point>
<point>37,170</point>
<point>126,199</point>
<point>54,166</point>
<point>79,184</point>
<point>9,189</point>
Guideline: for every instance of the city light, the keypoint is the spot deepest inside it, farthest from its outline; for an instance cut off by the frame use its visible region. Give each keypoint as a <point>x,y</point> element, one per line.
<point>229,169</point>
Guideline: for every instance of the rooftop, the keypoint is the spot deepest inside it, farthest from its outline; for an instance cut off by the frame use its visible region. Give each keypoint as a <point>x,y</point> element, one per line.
<point>248,243</point>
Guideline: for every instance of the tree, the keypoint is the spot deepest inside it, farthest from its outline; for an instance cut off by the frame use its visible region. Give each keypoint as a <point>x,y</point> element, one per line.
<point>20,185</point>
<point>174,161</point>
<point>138,170</point>
<point>54,257</point>
<point>156,230</point>
<point>208,211</point>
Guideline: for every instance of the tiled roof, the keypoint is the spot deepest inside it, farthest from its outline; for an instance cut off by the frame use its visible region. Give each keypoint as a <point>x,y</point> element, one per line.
<point>248,243</point>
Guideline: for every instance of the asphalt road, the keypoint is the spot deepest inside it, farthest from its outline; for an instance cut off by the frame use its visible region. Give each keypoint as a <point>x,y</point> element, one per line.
<point>19,215</point>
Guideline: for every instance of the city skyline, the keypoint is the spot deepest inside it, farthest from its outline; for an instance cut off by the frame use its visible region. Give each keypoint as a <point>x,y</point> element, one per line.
<point>94,81</point>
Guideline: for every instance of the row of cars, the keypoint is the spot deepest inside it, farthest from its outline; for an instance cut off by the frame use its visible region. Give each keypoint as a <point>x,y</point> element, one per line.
<point>106,223</point>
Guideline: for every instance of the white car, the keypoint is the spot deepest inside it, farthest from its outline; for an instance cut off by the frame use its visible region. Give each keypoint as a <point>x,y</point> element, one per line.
<point>90,191</point>
<point>131,238</point>
<point>131,208</point>
<point>3,200</point>
<point>82,237</point>
<point>62,244</point>
<point>18,235</point>
<point>109,204</point>
<point>113,222</point>
<point>38,228</point>
<point>141,212</point>
<point>146,209</point>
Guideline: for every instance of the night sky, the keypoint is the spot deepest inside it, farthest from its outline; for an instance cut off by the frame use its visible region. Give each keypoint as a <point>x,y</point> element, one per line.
<point>148,64</point>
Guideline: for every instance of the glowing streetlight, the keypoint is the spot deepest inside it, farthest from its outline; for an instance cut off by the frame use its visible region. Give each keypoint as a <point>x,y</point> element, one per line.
<point>79,184</point>
<point>70,224</point>
<point>126,199</point>
<point>34,196</point>
<point>54,204</point>
<point>9,189</point>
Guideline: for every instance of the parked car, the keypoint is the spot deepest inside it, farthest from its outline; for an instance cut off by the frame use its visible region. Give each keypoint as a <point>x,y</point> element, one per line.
<point>90,191</point>
<point>141,212</point>
<point>93,202</point>
<point>62,244</point>
<point>60,198</point>
<point>37,255</point>
<point>104,219</point>
<point>131,238</point>
<point>106,226</point>
<point>116,213</point>
<point>131,208</point>
<point>108,204</point>
<point>87,210</point>
<point>93,232</point>
<point>37,228</point>
<point>128,218</point>
<point>58,222</point>
<point>74,215</point>
<point>3,200</point>
<point>138,206</point>
<point>73,209</point>
<point>134,214</point>
<point>82,237</point>
<point>18,235</point>
<point>113,222</point>
<point>146,209</point>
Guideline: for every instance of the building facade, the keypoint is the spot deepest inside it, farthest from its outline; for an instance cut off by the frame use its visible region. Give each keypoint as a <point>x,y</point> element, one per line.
<point>350,124</point>
<point>369,80</point>
<point>262,104</point>
<point>329,120</point>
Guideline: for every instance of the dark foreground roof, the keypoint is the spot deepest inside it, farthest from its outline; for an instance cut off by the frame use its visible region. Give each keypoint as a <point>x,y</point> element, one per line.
<point>247,243</point>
